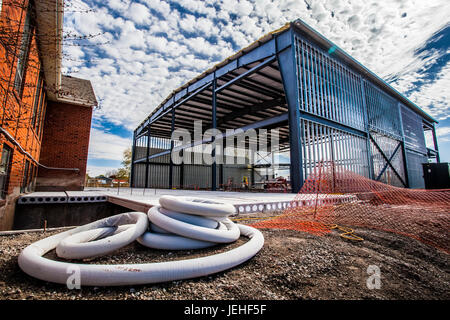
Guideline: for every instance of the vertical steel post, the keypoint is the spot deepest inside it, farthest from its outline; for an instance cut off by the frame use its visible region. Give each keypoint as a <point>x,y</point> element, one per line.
<point>438,159</point>
<point>214,126</point>
<point>147,162</point>
<point>172,129</point>
<point>287,62</point>
<point>221,164</point>
<point>182,171</point>
<point>405,160</point>
<point>133,156</point>
<point>366,125</point>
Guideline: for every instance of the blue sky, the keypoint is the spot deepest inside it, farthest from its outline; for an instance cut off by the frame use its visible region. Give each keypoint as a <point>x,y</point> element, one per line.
<point>142,50</point>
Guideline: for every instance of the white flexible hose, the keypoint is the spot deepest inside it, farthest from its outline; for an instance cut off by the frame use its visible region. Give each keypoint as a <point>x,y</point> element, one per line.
<point>196,232</point>
<point>196,206</point>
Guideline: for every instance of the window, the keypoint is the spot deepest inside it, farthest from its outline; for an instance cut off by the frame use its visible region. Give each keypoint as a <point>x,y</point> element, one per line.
<point>22,60</point>
<point>37,99</point>
<point>25,176</point>
<point>40,115</point>
<point>32,178</point>
<point>5,167</point>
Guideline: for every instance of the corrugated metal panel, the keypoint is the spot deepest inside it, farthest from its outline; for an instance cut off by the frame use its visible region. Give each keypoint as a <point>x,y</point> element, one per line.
<point>382,111</point>
<point>329,145</point>
<point>139,176</point>
<point>327,88</point>
<point>158,176</point>
<point>415,170</point>
<point>197,176</point>
<point>413,130</point>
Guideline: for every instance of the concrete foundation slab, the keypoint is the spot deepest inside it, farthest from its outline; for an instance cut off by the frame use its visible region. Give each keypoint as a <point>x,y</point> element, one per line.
<point>143,199</point>
<point>245,202</point>
<point>43,197</point>
<point>85,197</point>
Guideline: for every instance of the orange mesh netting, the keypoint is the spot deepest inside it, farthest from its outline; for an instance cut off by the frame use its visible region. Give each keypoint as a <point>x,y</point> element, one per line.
<point>332,196</point>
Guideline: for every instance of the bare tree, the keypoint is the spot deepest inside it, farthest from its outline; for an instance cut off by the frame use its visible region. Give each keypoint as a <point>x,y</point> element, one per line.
<point>20,56</point>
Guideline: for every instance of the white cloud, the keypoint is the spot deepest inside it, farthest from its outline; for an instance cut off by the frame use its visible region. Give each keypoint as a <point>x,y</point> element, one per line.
<point>119,5</point>
<point>188,23</point>
<point>153,47</point>
<point>442,132</point>
<point>107,146</point>
<point>138,13</point>
<point>434,96</point>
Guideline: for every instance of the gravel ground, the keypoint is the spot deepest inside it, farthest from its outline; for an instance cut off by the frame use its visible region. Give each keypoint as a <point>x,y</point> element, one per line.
<point>291,265</point>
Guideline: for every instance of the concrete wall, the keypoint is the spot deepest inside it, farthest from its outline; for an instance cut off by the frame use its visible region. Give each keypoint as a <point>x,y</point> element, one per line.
<point>62,215</point>
<point>65,144</point>
<point>7,209</point>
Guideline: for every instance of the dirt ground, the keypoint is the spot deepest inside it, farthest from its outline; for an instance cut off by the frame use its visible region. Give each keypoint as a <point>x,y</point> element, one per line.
<point>291,265</point>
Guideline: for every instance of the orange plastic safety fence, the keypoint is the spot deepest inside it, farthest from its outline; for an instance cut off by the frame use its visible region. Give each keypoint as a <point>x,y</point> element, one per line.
<point>332,195</point>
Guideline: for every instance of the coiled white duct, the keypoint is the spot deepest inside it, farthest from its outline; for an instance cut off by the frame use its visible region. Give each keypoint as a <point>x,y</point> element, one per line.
<point>210,226</point>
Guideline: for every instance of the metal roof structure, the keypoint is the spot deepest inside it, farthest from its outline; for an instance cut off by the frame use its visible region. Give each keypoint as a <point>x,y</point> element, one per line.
<point>233,61</point>
<point>297,81</point>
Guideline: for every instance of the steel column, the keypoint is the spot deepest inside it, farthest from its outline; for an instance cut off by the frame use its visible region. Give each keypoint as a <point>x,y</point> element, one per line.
<point>147,164</point>
<point>172,128</point>
<point>224,144</point>
<point>214,126</point>
<point>366,125</point>
<point>287,63</point>
<point>405,159</point>
<point>436,144</point>
<point>133,156</point>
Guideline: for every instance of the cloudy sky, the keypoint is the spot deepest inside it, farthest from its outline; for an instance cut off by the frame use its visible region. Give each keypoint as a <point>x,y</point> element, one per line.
<point>137,52</point>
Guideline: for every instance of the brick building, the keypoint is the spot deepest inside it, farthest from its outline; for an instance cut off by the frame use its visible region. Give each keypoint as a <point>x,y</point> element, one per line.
<point>45,117</point>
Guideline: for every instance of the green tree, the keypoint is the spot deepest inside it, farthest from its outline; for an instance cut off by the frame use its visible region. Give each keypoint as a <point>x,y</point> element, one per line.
<point>126,162</point>
<point>122,174</point>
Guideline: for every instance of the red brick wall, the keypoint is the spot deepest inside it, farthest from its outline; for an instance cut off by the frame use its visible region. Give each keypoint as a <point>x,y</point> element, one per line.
<point>16,110</point>
<point>65,144</point>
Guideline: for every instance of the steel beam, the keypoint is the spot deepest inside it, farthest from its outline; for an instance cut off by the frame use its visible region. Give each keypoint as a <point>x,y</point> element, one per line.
<point>246,74</point>
<point>196,92</point>
<point>270,122</point>
<point>254,85</point>
<point>250,110</point>
<point>153,156</point>
<point>332,123</point>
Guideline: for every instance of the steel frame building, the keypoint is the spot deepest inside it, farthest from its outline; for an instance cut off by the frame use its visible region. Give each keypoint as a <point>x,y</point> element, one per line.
<point>325,105</point>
